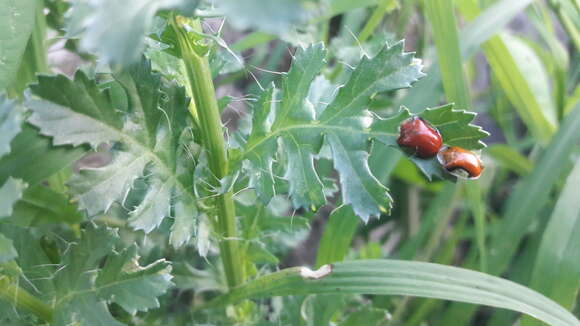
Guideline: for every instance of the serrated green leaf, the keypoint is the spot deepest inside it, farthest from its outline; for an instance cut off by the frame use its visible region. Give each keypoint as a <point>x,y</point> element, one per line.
<point>454,126</point>
<point>116,30</point>
<point>10,192</point>
<point>16,23</point>
<point>93,121</point>
<point>155,205</point>
<point>131,286</point>
<point>97,188</point>
<point>41,204</point>
<point>10,121</point>
<point>183,227</point>
<point>302,127</point>
<point>47,159</point>
<point>431,168</point>
<point>306,188</point>
<point>83,290</point>
<point>359,187</point>
<point>262,177</point>
<point>146,137</point>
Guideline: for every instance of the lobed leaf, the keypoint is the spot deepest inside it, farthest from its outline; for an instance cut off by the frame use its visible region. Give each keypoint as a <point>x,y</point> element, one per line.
<point>116,30</point>
<point>454,126</point>
<point>83,290</point>
<point>131,286</point>
<point>145,130</point>
<point>302,127</point>
<point>40,205</point>
<point>47,159</point>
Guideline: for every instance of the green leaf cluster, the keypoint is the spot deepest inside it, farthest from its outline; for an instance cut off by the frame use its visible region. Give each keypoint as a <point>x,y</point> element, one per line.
<point>144,118</point>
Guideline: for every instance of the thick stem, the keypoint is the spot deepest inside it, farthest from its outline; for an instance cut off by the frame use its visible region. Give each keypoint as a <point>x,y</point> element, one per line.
<point>208,117</point>
<point>21,299</point>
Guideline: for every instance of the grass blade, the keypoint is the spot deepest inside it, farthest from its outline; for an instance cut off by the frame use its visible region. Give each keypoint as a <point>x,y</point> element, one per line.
<point>523,205</point>
<point>442,18</point>
<point>488,23</point>
<point>532,193</point>
<point>510,159</point>
<point>557,269</point>
<point>524,80</point>
<point>337,236</point>
<point>396,277</point>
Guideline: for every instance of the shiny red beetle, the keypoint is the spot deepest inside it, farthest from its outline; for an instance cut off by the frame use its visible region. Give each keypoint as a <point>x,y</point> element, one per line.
<point>417,135</point>
<point>455,159</point>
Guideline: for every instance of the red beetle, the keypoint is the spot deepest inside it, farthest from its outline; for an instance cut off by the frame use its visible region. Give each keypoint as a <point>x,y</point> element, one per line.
<point>420,137</point>
<point>455,159</point>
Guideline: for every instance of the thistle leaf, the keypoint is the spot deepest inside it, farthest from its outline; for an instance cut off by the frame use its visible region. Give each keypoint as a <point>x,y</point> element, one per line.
<point>116,30</point>
<point>145,137</point>
<point>454,126</point>
<point>83,290</point>
<point>302,127</point>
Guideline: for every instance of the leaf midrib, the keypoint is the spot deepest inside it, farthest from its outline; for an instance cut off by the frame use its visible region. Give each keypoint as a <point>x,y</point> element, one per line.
<point>323,127</point>
<point>96,289</point>
<point>143,148</point>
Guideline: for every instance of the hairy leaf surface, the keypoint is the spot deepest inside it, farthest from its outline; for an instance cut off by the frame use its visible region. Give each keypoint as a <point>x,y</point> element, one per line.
<point>145,137</point>
<point>83,290</point>
<point>454,126</point>
<point>311,112</point>
<point>116,30</point>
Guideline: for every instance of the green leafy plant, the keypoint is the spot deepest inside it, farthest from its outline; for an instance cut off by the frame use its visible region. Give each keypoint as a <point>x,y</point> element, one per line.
<point>131,193</point>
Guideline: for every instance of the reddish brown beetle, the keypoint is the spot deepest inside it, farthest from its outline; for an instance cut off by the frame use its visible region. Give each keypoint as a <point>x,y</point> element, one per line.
<point>455,159</point>
<point>416,134</point>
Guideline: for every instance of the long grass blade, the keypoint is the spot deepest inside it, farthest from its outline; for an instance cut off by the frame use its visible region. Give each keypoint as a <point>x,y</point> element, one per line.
<point>557,269</point>
<point>337,237</point>
<point>396,277</point>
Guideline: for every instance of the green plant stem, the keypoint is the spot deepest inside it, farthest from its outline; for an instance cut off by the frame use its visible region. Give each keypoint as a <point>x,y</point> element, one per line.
<point>203,92</point>
<point>21,299</point>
